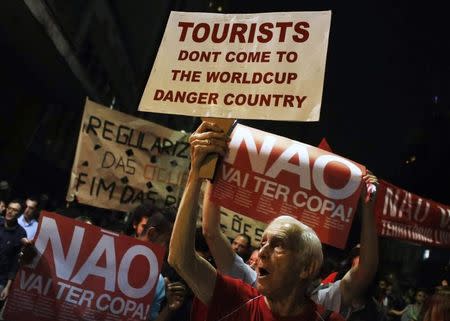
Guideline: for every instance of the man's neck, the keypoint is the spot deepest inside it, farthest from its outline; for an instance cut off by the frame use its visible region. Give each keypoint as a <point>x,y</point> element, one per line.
<point>10,224</point>
<point>28,220</point>
<point>289,305</point>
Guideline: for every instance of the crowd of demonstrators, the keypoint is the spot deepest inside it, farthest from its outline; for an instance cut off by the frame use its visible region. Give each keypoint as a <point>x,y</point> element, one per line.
<point>206,276</point>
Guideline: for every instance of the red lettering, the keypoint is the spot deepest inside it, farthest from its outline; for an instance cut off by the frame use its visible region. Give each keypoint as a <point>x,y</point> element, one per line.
<point>303,34</point>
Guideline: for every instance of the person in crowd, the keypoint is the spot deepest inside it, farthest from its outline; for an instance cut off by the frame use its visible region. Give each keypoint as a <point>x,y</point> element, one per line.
<point>157,230</point>
<point>2,207</point>
<point>289,258</point>
<point>437,307</point>
<point>28,219</point>
<point>12,238</point>
<point>139,218</point>
<point>393,299</point>
<point>253,259</point>
<point>411,311</point>
<point>241,245</point>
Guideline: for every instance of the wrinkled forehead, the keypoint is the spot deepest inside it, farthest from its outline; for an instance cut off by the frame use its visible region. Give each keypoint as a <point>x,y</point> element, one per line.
<point>288,232</point>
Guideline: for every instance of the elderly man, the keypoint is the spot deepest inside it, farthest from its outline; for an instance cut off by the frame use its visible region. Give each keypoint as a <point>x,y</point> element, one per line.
<point>289,258</point>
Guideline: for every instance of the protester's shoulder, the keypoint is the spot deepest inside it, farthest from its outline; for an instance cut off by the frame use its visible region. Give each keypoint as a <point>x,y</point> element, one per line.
<point>236,284</point>
<point>21,231</point>
<point>241,270</point>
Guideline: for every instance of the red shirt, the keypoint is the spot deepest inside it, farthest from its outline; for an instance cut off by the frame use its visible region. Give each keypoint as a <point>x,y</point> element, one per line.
<point>234,300</point>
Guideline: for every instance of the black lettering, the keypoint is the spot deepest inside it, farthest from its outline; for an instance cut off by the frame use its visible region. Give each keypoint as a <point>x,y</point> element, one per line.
<point>167,145</point>
<point>91,125</point>
<point>139,197</point>
<point>121,164</point>
<point>151,196</point>
<point>126,197</point>
<point>130,169</point>
<point>130,143</point>
<point>247,227</point>
<point>111,187</point>
<point>107,156</point>
<point>124,135</point>
<point>91,190</point>
<point>156,144</point>
<point>107,130</point>
<point>258,234</point>
<point>236,224</point>
<point>182,153</point>
<point>80,180</point>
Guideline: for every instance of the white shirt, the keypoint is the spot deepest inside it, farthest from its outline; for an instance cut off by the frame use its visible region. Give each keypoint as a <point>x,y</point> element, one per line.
<point>30,227</point>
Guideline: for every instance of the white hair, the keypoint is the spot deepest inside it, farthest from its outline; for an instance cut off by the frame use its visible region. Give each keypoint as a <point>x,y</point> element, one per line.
<point>303,240</point>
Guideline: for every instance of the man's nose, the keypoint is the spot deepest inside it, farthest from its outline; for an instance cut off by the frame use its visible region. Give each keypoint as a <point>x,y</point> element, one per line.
<point>263,252</point>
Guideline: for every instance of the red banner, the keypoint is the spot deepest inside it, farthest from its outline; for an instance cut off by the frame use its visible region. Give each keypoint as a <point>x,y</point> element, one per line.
<point>403,215</point>
<point>82,272</point>
<point>265,175</point>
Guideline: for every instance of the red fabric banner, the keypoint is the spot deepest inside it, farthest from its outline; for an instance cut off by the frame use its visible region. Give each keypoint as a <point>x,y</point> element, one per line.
<point>82,272</point>
<point>265,175</point>
<point>406,216</point>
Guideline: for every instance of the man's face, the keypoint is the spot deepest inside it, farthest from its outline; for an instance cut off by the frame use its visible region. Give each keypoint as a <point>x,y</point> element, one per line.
<point>30,208</point>
<point>253,260</point>
<point>155,236</point>
<point>278,269</point>
<point>240,245</point>
<point>421,297</point>
<point>382,285</point>
<point>12,211</point>
<point>139,227</point>
<point>2,207</point>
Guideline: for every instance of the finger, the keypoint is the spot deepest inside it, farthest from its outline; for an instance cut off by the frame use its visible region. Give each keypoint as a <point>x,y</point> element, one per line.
<point>176,287</point>
<point>208,135</point>
<point>208,126</point>
<point>212,141</point>
<point>208,149</point>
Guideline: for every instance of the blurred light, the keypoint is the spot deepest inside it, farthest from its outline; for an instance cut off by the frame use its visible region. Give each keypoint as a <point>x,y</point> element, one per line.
<point>435,99</point>
<point>426,254</point>
<point>219,9</point>
<point>411,159</point>
<point>211,4</point>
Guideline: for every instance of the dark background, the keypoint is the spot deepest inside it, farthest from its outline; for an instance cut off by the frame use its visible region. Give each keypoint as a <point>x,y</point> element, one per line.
<point>385,102</point>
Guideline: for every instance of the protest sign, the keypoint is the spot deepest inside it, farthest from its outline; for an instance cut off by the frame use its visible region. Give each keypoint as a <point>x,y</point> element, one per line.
<point>265,175</point>
<point>248,66</point>
<point>406,216</point>
<point>82,272</point>
<point>232,224</point>
<point>122,161</point>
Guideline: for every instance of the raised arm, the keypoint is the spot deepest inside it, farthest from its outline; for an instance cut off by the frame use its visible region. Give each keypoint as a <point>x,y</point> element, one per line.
<point>218,243</point>
<point>358,278</point>
<point>197,272</point>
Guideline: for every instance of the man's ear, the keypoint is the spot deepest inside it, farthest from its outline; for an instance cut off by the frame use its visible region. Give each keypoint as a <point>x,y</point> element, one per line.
<point>310,271</point>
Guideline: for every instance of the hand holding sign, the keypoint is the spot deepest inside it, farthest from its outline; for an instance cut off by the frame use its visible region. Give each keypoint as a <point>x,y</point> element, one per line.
<point>368,193</point>
<point>208,138</point>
